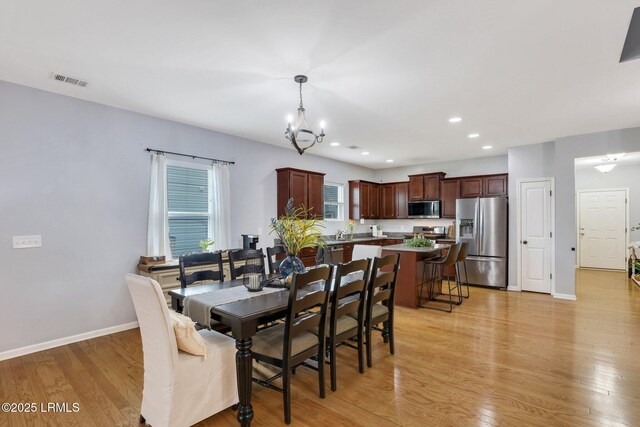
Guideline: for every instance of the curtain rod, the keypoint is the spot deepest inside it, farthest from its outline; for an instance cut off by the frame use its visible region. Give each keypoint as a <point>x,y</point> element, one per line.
<point>224,162</point>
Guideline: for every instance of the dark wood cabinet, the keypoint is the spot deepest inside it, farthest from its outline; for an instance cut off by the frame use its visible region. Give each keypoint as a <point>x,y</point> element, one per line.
<point>402,200</point>
<point>416,187</point>
<point>388,201</point>
<point>471,186</point>
<point>449,192</point>
<point>306,188</point>
<point>425,186</point>
<point>495,185</point>
<point>363,200</point>
<point>484,186</point>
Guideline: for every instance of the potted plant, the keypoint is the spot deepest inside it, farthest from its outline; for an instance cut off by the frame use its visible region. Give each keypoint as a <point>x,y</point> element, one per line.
<point>204,244</point>
<point>296,230</point>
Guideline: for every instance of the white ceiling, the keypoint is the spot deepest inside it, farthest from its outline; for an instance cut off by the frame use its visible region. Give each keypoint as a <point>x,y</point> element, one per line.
<point>384,75</point>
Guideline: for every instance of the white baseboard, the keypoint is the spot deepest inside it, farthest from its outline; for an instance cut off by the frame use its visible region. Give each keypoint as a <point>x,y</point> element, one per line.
<point>565,296</point>
<point>513,288</point>
<point>10,354</point>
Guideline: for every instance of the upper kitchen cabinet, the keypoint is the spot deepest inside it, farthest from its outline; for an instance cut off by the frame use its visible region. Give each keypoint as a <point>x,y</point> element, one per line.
<point>495,185</point>
<point>484,186</point>
<point>393,200</point>
<point>304,187</point>
<point>449,192</point>
<point>425,186</point>
<point>364,200</point>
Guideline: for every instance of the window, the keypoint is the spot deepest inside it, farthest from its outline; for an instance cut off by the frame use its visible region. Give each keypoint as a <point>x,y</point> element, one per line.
<point>333,202</point>
<point>189,196</point>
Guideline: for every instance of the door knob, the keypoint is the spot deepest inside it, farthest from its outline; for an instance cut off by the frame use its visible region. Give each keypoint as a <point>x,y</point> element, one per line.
<point>524,242</point>
<point>582,234</point>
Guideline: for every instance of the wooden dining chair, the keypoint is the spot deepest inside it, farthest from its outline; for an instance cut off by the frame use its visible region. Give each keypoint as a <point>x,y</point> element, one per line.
<point>253,262</point>
<point>379,307</point>
<point>348,296</point>
<point>273,262</point>
<point>198,260</point>
<point>291,343</point>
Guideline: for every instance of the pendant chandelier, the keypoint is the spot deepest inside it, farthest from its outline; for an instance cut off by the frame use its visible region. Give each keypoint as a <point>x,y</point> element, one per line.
<point>300,134</point>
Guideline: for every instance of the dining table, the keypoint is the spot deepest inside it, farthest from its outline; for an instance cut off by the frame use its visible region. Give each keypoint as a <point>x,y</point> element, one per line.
<point>243,317</point>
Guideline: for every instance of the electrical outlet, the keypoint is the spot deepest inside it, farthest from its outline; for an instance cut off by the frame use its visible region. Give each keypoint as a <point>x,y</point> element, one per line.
<point>23,242</point>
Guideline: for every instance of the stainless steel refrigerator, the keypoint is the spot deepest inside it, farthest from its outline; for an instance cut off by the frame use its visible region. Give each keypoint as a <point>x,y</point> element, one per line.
<point>482,222</point>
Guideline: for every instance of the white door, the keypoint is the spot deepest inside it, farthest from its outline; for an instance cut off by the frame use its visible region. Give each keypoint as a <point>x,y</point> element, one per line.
<point>535,236</point>
<point>601,228</point>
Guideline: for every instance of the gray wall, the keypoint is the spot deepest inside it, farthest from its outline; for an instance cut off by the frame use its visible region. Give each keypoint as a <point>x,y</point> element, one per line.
<point>76,173</point>
<point>556,159</point>
<point>622,176</point>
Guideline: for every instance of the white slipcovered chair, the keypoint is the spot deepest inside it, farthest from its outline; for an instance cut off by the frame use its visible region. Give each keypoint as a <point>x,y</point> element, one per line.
<point>366,251</point>
<point>180,389</point>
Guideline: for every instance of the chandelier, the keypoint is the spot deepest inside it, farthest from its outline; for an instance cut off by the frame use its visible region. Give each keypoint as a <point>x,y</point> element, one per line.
<point>300,134</point>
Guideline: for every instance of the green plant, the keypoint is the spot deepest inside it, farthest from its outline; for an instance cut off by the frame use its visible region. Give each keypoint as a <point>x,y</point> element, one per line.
<point>297,230</point>
<point>419,242</point>
<point>204,244</point>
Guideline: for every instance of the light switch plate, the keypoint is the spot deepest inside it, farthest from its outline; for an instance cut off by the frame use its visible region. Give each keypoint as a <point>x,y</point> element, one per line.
<point>23,242</point>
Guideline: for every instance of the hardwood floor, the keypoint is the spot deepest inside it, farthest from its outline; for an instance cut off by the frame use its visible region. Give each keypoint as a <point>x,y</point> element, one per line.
<point>502,358</point>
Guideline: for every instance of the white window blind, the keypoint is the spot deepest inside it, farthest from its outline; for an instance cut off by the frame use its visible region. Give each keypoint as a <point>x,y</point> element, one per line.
<point>333,201</point>
<point>189,207</point>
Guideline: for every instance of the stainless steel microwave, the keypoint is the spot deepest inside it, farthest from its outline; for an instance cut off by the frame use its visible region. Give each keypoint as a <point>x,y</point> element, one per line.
<point>428,209</point>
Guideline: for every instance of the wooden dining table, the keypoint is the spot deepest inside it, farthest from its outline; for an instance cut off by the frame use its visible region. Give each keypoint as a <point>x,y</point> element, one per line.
<point>243,317</point>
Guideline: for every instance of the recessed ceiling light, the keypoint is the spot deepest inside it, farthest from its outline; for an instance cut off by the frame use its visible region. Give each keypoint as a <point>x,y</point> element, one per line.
<point>474,135</point>
<point>335,144</point>
<point>607,167</point>
<point>389,160</point>
<point>455,119</point>
<point>365,153</point>
<point>487,147</point>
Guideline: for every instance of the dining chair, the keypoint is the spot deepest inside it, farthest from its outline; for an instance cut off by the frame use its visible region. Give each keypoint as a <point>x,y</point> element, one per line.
<point>253,262</point>
<point>461,264</point>
<point>179,389</point>
<point>291,343</point>
<point>273,262</point>
<point>379,306</point>
<point>432,265</point>
<point>348,296</point>
<point>198,260</point>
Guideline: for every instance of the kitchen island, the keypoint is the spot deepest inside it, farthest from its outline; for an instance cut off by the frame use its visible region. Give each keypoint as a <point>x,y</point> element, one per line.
<point>410,271</point>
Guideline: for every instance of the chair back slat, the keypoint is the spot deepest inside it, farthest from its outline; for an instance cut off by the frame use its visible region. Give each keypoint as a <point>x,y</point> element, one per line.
<point>253,262</point>
<point>382,284</point>
<point>349,297</point>
<point>274,264</point>
<point>300,318</point>
<point>198,260</point>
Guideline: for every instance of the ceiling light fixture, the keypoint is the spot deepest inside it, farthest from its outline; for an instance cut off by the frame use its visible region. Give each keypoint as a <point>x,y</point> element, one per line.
<point>300,132</point>
<point>389,160</point>
<point>455,119</point>
<point>474,135</point>
<point>487,147</point>
<point>607,167</point>
<point>335,144</point>
<point>365,153</point>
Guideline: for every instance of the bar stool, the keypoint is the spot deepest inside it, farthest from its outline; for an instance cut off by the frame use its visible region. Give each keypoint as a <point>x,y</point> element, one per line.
<point>461,264</point>
<point>447,260</point>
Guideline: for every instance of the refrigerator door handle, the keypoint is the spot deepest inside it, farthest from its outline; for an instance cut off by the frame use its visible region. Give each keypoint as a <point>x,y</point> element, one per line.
<point>480,208</point>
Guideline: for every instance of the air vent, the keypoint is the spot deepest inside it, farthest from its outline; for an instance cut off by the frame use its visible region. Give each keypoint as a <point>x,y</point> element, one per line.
<point>353,147</point>
<point>67,79</point>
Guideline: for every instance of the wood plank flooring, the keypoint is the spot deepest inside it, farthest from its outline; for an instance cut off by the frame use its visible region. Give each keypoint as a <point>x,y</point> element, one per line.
<point>501,359</point>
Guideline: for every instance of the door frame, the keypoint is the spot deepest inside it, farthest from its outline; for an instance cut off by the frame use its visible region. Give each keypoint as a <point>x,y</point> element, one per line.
<point>627,232</point>
<point>552,215</point>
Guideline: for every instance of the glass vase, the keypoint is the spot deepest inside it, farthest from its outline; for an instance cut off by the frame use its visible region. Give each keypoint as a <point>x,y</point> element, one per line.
<point>291,264</point>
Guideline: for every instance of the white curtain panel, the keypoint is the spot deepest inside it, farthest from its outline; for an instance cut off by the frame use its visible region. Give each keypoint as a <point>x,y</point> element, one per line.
<point>221,200</point>
<point>158,243</point>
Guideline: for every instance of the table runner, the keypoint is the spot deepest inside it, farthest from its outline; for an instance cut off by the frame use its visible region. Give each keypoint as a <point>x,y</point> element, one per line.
<point>198,307</point>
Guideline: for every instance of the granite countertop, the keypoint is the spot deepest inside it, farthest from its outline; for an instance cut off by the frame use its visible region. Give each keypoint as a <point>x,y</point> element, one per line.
<point>404,247</point>
<point>332,242</point>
